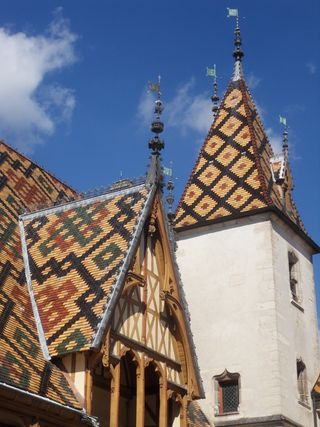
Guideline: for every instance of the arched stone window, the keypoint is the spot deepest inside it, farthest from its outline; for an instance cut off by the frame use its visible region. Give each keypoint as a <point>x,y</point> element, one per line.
<point>302,382</point>
<point>227,393</point>
<point>294,277</point>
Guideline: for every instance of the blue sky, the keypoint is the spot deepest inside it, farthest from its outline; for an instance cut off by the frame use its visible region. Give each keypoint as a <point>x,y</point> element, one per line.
<point>77,102</point>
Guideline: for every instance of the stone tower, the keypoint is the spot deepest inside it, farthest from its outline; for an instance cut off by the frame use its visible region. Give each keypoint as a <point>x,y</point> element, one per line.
<point>246,262</point>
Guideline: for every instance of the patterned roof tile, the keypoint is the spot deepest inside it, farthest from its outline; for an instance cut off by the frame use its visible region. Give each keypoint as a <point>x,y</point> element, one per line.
<point>22,185</point>
<point>232,174</point>
<point>196,417</point>
<point>75,253</point>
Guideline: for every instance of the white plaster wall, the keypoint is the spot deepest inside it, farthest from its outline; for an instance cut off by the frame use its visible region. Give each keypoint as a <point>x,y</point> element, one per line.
<point>231,274</point>
<point>297,329</point>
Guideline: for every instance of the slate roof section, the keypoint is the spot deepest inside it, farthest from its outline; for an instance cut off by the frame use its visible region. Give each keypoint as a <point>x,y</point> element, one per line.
<point>232,174</point>
<point>23,185</point>
<point>75,253</point>
<point>196,417</point>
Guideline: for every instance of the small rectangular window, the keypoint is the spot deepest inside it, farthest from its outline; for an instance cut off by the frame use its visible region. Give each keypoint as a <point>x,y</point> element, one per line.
<point>229,396</point>
<point>227,393</point>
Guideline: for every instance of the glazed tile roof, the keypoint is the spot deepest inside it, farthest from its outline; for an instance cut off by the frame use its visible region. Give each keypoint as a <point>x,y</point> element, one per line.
<point>23,185</point>
<point>75,253</point>
<point>196,417</point>
<point>316,387</point>
<point>232,174</point>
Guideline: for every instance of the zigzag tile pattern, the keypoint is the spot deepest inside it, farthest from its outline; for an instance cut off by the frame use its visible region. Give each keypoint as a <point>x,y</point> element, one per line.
<point>22,185</point>
<point>196,417</point>
<point>232,174</point>
<point>75,254</point>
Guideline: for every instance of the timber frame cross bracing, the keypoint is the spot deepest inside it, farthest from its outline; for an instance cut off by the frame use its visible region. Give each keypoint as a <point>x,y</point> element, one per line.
<point>148,331</point>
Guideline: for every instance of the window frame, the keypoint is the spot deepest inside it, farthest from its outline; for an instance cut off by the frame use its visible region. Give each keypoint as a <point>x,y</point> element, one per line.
<point>302,382</point>
<point>224,379</point>
<point>294,279</point>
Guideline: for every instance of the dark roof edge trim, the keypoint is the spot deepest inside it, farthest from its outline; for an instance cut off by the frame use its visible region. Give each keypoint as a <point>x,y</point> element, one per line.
<point>274,209</point>
<point>84,417</point>
<point>97,338</point>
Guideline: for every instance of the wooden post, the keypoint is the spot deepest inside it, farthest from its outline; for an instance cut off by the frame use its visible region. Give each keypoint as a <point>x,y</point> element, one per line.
<point>183,412</point>
<point>140,404</point>
<point>163,421</point>
<point>88,386</point>
<point>115,396</point>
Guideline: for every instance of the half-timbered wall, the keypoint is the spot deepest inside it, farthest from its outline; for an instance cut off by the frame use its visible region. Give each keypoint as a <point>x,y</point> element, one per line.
<point>142,315</point>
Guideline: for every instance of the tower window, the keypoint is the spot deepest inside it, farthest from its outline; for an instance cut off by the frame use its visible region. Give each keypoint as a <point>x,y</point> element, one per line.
<point>302,381</point>
<point>293,276</point>
<point>227,393</point>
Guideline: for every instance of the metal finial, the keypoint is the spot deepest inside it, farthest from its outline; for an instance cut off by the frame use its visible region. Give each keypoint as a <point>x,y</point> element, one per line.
<point>157,126</point>
<point>170,196</point>
<point>212,72</point>
<point>215,98</point>
<point>285,144</point>
<point>238,52</point>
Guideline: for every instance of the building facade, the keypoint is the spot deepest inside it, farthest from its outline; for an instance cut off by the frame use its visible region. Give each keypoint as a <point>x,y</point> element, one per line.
<point>94,324</point>
<point>252,293</point>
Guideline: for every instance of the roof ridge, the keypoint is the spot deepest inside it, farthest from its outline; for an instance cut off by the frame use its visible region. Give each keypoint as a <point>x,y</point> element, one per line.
<point>244,91</point>
<point>51,208</point>
<point>19,153</point>
<point>202,148</point>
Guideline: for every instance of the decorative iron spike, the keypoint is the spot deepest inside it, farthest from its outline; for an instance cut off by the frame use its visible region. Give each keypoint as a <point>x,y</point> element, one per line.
<point>170,196</point>
<point>215,98</point>
<point>285,142</point>
<point>157,126</point>
<point>238,53</point>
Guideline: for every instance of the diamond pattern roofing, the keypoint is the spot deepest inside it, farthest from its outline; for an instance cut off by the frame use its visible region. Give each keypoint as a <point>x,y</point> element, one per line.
<point>23,185</point>
<point>75,253</point>
<point>232,174</point>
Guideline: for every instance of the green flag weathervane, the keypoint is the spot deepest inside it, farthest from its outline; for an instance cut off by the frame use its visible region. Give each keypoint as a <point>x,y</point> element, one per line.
<point>212,72</point>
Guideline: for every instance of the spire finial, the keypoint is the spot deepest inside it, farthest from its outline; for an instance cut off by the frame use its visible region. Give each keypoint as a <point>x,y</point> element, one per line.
<point>212,72</point>
<point>238,52</point>
<point>285,139</point>
<point>170,188</point>
<point>157,126</point>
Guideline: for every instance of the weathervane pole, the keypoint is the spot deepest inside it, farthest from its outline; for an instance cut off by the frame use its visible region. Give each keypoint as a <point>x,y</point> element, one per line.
<point>212,72</point>
<point>157,126</point>
<point>238,52</point>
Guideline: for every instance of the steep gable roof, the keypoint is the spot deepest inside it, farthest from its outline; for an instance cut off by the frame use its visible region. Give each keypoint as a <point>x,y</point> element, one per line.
<point>196,417</point>
<point>232,175</point>
<point>74,255</point>
<point>22,365</point>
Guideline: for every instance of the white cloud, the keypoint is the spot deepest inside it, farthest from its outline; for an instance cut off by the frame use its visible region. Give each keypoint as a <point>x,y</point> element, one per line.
<point>261,110</point>
<point>190,111</point>
<point>29,111</point>
<point>312,68</point>
<point>253,81</point>
<point>186,110</point>
<point>146,107</point>
<point>295,108</point>
<point>275,140</point>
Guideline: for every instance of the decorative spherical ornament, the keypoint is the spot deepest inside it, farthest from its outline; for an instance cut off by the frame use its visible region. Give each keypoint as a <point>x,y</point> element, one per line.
<point>158,108</point>
<point>157,126</point>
